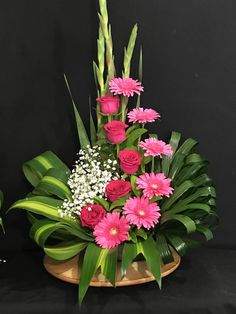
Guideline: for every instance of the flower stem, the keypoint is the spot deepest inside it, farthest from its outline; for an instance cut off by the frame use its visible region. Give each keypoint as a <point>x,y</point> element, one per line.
<point>124,103</point>
<point>117,149</point>
<point>153,164</point>
<point>139,139</point>
<point>109,118</point>
<point>143,168</point>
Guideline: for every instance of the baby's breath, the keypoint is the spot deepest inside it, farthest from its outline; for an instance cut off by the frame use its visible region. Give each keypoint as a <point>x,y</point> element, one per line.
<point>88,179</point>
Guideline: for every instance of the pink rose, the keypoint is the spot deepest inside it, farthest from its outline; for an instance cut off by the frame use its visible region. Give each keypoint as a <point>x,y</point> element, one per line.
<point>109,104</point>
<point>91,215</point>
<point>116,189</point>
<point>130,160</point>
<point>115,131</point>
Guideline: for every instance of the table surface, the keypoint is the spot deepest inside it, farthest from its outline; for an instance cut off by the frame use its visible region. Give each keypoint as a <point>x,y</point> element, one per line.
<point>205,282</point>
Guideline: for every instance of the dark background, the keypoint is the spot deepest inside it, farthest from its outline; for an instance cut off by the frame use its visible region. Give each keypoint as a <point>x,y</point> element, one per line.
<point>189,63</point>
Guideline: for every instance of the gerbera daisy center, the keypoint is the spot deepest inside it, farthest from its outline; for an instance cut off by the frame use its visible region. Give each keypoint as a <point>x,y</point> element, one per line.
<point>113,231</point>
<point>141,212</point>
<point>154,186</point>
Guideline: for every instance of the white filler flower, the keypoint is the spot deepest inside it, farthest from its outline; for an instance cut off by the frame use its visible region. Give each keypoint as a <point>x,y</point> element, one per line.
<point>88,179</point>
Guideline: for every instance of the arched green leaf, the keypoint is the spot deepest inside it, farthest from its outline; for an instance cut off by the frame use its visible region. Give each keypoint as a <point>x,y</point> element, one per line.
<point>36,168</point>
<point>40,205</point>
<point>65,250</point>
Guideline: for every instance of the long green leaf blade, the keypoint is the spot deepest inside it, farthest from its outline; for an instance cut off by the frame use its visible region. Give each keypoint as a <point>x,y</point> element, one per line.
<point>129,51</point>
<point>167,160</point>
<point>40,205</point>
<point>128,255</point>
<point>178,192</point>
<point>93,257</point>
<point>152,256</point>
<point>109,266</point>
<point>82,133</point>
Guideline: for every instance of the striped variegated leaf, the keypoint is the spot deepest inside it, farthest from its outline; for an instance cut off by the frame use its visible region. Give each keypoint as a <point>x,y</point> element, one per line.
<point>65,250</point>
<point>41,205</point>
<point>54,186</point>
<point>36,168</point>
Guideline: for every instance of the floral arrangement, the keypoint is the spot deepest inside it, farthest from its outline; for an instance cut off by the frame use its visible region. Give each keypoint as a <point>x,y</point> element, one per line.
<point>128,189</point>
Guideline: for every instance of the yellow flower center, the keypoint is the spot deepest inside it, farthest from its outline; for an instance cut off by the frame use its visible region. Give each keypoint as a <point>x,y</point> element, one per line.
<point>113,231</point>
<point>141,212</point>
<point>154,186</point>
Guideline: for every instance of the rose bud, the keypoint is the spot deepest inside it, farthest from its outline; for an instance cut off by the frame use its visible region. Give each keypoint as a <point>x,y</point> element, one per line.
<point>115,131</point>
<point>116,189</point>
<point>109,104</point>
<point>91,215</point>
<point>130,160</point>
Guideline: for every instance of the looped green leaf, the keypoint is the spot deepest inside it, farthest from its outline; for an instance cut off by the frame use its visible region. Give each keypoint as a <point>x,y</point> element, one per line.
<point>35,169</point>
<point>163,246</point>
<point>52,184</point>
<point>205,230</point>
<point>65,250</point>
<point>177,243</point>
<point>186,221</point>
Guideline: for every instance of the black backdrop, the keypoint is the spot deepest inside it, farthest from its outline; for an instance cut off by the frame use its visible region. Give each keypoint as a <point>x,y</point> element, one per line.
<point>189,77</point>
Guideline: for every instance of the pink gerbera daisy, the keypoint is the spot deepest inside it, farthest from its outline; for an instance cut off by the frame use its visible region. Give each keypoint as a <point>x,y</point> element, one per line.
<point>154,147</point>
<point>111,230</point>
<point>142,115</point>
<point>141,213</point>
<point>125,86</point>
<point>154,184</point>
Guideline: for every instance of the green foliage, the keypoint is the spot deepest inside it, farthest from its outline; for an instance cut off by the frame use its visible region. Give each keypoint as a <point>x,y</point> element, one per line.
<point>94,257</point>
<point>82,133</point>
<point>102,202</point>
<point>93,134</point>
<point>109,266</point>
<point>128,52</point>
<point>120,202</point>
<point>133,136</point>
<point>36,168</point>
<point>140,75</point>
<point>133,179</point>
<point>191,208</point>
<point>148,248</point>
<point>52,184</point>
<point>40,205</point>
<point>65,250</point>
